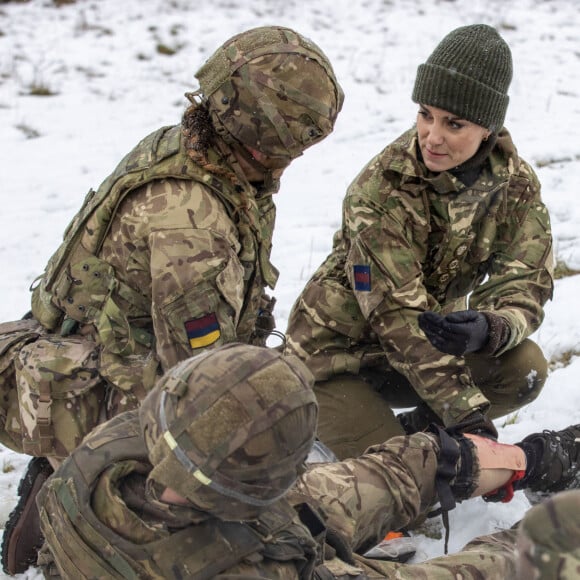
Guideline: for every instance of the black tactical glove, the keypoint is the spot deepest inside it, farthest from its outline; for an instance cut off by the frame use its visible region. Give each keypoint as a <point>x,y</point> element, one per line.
<point>475,423</point>
<point>457,333</point>
<point>418,419</point>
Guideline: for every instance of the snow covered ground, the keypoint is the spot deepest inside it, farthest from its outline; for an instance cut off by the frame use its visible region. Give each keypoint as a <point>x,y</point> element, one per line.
<point>114,71</point>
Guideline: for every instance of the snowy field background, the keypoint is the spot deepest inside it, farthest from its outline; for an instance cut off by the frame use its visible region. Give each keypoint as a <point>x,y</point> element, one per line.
<point>81,83</point>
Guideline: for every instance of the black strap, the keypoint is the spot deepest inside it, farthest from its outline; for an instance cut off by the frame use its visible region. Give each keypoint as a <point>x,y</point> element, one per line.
<point>446,472</point>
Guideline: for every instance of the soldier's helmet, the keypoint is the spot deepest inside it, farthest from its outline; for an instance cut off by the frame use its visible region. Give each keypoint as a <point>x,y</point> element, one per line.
<point>230,429</point>
<point>271,90</point>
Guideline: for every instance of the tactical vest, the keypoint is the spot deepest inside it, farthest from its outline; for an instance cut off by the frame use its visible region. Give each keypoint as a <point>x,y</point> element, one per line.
<point>84,547</point>
<point>77,286</point>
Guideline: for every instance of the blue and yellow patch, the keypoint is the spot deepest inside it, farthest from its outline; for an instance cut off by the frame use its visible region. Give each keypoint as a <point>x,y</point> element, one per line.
<point>362,278</point>
<point>202,331</point>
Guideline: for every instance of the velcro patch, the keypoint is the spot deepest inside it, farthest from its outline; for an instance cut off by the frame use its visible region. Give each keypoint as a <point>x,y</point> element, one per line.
<point>362,278</point>
<point>203,331</point>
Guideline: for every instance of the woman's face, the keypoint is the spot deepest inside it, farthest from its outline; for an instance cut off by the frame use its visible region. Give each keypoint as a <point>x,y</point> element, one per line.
<point>446,140</point>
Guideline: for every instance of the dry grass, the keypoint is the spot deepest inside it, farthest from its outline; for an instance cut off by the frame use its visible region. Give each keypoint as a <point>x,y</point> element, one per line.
<point>7,466</point>
<point>562,270</point>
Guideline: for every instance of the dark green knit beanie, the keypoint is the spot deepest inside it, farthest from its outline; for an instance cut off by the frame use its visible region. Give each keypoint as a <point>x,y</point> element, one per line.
<point>468,74</point>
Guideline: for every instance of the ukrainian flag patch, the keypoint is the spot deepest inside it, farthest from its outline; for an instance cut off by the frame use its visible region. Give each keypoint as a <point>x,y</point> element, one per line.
<point>362,278</point>
<point>202,331</point>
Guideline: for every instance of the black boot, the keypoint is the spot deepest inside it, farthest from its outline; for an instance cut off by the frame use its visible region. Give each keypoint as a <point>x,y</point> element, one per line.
<point>553,458</point>
<point>22,535</point>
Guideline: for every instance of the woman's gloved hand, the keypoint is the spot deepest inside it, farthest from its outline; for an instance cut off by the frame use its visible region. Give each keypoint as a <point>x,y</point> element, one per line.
<point>456,333</point>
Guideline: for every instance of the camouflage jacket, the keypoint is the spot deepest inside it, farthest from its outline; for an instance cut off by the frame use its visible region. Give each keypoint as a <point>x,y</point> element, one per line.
<point>164,260</point>
<point>101,520</point>
<point>412,241</point>
<point>98,505</point>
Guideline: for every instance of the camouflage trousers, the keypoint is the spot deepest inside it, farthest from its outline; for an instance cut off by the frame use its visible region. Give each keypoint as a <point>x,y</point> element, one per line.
<point>51,390</point>
<point>356,411</point>
<point>490,557</point>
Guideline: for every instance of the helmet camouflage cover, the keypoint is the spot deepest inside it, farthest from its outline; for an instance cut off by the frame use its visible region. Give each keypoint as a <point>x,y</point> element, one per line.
<point>272,90</point>
<point>237,421</point>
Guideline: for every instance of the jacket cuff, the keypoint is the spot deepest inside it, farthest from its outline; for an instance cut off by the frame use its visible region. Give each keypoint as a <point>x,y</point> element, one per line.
<point>499,334</point>
<point>470,399</point>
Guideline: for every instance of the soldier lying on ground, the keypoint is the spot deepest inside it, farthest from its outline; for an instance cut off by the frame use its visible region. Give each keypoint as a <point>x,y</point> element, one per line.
<point>447,218</point>
<point>207,480</point>
<point>171,255</point>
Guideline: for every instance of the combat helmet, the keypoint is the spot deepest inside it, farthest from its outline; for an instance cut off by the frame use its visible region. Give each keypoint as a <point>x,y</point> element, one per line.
<point>271,90</point>
<point>230,429</point>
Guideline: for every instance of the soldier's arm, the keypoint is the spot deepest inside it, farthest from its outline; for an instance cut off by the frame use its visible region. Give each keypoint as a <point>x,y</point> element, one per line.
<point>388,250</point>
<point>521,275</point>
<point>392,483</point>
<point>382,490</point>
<point>197,294</point>
<point>197,280</point>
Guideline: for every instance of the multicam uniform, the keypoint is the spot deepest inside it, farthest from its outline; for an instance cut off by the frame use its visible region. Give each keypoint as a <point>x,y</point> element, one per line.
<point>548,541</point>
<point>101,519</point>
<point>414,241</point>
<point>163,260</point>
<point>207,480</point>
<point>171,255</point>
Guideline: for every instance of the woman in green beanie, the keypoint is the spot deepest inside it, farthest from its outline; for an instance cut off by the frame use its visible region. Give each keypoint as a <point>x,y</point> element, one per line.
<point>441,268</point>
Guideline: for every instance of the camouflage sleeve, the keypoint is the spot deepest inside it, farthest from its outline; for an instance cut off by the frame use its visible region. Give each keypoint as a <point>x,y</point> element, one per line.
<point>197,284</point>
<point>382,490</point>
<point>196,278</point>
<point>521,276</point>
<point>387,248</point>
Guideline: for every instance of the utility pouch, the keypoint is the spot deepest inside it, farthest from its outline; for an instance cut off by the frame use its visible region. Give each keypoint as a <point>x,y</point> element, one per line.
<point>60,393</point>
<point>49,315</point>
<point>13,336</point>
<point>83,287</point>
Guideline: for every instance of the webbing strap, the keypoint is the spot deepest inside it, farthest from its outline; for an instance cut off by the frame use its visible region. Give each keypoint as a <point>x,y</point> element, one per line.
<point>446,472</point>
<point>44,417</point>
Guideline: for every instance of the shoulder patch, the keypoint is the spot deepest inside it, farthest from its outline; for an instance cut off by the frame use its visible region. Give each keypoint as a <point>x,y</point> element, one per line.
<point>362,278</point>
<point>202,331</point>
